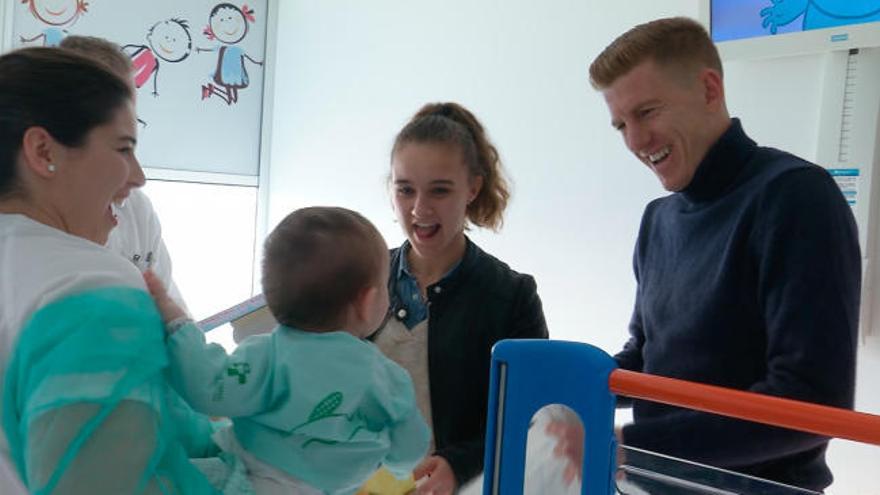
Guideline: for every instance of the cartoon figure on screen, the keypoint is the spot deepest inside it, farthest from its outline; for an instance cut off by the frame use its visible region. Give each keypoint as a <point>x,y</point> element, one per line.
<point>55,14</point>
<point>818,14</point>
<point>228,24</point>
<point>168,40</point>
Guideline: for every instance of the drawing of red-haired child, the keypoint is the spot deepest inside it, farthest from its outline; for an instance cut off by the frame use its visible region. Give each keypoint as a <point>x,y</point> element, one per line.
<point>55,14</point>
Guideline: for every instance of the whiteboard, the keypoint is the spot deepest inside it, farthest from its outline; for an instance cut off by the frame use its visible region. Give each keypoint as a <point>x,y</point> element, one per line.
<point>199,68</point>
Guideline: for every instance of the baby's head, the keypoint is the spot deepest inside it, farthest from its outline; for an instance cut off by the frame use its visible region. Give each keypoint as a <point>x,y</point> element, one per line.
<point>102,50</point>
<point>326,269</point>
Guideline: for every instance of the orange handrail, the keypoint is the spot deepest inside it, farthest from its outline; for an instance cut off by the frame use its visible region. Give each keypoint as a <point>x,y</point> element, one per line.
<point>787,413</point>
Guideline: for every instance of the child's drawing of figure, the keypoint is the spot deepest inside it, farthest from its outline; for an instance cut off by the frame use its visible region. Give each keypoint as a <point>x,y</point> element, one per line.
<point>228,24</point>
<point>169,41</point>
<point>55,14</point>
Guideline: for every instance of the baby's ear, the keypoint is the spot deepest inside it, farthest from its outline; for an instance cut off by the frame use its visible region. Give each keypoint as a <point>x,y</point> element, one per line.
<point>366,298</point>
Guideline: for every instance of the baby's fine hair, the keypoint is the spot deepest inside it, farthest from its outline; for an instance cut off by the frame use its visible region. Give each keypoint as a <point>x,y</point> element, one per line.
<point>316,262</point>
<point>104,51</point>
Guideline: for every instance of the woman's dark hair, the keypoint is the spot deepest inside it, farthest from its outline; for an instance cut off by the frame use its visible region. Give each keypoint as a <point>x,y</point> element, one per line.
<point>101,50</point>
<point>451,123</point>
<point>65,93</point>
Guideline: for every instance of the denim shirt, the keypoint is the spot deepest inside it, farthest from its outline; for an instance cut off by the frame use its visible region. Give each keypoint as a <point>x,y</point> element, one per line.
<point>414,307</point>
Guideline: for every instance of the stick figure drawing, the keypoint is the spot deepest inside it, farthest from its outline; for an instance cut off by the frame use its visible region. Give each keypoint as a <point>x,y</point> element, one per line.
<point>55,14</point>
<point>169,41</point>
<point>228,24</point>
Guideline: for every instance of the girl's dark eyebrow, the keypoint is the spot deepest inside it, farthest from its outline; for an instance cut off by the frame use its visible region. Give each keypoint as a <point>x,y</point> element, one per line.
<point>445,182</point>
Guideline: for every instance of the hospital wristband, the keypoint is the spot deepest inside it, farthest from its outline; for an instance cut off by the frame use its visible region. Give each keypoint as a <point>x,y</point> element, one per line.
<point>176,324</point>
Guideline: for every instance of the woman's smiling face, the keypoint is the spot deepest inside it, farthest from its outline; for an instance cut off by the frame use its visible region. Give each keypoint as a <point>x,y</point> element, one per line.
<point>91,178</point>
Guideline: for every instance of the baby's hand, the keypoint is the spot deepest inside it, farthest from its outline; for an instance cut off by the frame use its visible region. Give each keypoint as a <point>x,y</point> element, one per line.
<point>169,309</point>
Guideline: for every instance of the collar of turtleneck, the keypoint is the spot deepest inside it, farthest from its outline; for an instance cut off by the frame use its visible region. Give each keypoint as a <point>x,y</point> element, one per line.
<point>722,165</point>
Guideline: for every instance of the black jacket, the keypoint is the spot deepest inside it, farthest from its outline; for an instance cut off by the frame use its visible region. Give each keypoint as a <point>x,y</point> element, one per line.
<point>482,302</point>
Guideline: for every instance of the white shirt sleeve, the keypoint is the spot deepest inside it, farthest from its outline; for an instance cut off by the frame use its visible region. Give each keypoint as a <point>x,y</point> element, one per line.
<point>138,238</point>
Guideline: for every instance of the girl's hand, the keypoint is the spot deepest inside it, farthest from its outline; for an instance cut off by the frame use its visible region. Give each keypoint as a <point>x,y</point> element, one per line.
<point>570,447</point>
<point>434,476</point>
<point>169,309</point>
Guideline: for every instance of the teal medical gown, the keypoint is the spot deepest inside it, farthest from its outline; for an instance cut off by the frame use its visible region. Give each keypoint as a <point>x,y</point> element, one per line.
<point>326,408</point>
<point>86,404</point>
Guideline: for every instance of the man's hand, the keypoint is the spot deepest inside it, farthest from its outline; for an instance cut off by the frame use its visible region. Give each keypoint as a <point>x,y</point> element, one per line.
<point>434,476</point>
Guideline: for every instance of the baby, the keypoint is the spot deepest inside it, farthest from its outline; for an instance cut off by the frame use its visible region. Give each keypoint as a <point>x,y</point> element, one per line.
<point>314,407</point>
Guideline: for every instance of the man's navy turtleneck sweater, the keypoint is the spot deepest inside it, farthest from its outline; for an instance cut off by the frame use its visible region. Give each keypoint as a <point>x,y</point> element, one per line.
<point>749,278</point>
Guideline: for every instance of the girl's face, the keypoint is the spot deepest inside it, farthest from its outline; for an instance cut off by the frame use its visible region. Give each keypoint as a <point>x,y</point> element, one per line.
<point>229,25</point>
<point>55,12</point>
<point>431,189</point>
<point>93,177</point>
<point>170,41</point>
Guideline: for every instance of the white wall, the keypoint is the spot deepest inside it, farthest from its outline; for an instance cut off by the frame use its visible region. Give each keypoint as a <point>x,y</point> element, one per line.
<point>351,73</point>
<point>4,24</point>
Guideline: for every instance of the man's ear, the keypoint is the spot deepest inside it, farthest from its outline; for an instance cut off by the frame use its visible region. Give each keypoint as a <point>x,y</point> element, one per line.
<point>713,88</point>
<point>38,150</point>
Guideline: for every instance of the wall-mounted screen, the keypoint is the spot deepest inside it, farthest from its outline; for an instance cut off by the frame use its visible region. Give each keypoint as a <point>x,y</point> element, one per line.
<point>768,28</point>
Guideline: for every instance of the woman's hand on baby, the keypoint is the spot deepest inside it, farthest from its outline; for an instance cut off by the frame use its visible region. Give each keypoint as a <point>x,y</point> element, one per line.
<point>169,309</point>
<point>434,476</point>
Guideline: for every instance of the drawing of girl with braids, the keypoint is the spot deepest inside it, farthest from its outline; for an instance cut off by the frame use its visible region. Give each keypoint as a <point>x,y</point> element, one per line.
<point>228,24</point>
<point>55,14</point>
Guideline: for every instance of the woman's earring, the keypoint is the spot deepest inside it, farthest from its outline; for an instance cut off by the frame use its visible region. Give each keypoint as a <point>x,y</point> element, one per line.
<point>51,168</point>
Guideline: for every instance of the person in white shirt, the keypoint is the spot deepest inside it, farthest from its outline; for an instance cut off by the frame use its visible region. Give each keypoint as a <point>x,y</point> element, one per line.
<point>138,236</point>
<point>85,399</point>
